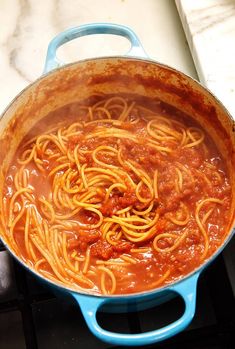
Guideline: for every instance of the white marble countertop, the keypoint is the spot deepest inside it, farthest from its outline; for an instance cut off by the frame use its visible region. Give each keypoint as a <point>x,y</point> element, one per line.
<point>28,26</point>
<point>210,29</point>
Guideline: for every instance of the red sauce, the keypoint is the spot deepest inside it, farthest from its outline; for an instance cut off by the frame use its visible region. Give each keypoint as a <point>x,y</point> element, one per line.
<point>204,176</point>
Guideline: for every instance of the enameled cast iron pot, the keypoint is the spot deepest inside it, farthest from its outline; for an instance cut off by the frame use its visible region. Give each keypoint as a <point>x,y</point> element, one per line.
<point>135,73</point>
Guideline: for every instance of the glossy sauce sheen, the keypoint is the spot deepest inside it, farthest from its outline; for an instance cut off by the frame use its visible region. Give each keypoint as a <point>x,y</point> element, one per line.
<point>207,178</point>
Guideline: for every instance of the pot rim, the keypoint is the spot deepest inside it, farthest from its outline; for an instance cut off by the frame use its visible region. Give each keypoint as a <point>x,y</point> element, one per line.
<point>127,58</point>
<point>154,291</point>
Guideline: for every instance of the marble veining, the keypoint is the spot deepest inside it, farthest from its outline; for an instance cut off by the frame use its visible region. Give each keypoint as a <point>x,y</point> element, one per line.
<point>212,16</point>
<point>210,29</point>
<point>14,45</point>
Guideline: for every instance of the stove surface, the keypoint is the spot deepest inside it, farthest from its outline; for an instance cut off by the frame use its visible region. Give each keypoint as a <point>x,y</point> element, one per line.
<point>31,317</point>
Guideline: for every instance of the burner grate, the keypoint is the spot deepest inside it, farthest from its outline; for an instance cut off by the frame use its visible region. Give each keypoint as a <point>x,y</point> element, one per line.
<point>31,317</point>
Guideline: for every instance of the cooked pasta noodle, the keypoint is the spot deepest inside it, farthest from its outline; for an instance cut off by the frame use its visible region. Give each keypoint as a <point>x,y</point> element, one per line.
<point>119,198</point>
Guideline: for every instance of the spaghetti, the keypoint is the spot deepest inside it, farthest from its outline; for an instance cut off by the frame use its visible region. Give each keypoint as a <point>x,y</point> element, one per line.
<point>121,198</point>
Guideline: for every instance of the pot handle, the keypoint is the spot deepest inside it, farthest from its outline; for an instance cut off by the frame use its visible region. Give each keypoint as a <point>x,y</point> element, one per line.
<point>52,60</point>
<point>90,305</point>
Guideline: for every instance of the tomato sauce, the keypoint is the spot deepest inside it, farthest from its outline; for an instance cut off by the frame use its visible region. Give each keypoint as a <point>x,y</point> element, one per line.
<point>185,176</point>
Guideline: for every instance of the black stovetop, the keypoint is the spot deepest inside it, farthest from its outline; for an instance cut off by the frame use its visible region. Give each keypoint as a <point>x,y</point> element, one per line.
<point>31,317</point>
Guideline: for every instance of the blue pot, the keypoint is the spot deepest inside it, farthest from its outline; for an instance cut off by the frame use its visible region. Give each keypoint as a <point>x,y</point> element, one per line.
<point>185,287</point>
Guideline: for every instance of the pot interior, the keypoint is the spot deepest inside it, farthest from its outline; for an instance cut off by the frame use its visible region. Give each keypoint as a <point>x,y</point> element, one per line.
<point>78,81</point>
